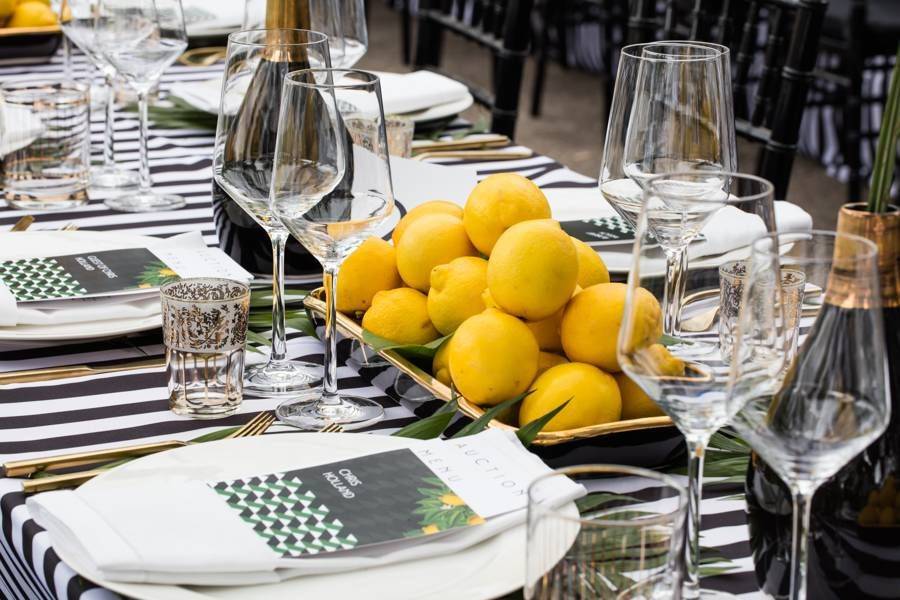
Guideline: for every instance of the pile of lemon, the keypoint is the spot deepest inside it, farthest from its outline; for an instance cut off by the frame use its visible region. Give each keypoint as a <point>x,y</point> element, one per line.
<point>529,307</point>
<point>16,14</point>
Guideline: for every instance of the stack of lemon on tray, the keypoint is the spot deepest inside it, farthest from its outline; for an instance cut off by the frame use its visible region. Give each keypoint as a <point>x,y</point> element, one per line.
<point>16,14</point>
<point>527,307</point>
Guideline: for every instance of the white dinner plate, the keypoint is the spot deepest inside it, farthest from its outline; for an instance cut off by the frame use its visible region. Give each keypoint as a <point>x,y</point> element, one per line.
<point>38,244</point>
<point>487,570</point>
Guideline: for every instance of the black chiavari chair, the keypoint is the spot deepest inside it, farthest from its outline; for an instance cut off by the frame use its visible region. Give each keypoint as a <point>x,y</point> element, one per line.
<point>774,45</point>
<point>501,27</point>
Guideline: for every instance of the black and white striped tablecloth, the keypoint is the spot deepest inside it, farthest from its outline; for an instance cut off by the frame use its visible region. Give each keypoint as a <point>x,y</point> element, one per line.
<point>110,410</point>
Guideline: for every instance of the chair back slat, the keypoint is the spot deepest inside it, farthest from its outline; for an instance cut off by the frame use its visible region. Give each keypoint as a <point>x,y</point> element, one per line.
<point>501,27</point>
<point>780,66</point>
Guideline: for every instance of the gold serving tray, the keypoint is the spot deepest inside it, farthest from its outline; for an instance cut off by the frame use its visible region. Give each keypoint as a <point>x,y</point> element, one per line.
<point>315,301</point>
<point>14,31</point>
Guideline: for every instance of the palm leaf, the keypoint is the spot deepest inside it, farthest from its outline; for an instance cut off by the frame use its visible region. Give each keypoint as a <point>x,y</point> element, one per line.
<point>429,427</point>
<point>529,431</point>
<point>482,422</point>
<point>415,352</point>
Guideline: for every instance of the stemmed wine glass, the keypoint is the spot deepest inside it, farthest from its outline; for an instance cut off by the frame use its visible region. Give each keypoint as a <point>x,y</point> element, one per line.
<point>331,192</point>
<point>344,22</point>
<point>140,39</point>
<point>808,412</point>
<point>76,18</point>
<point>255,65</point>
<point>671,111</point>
<point>686,376</point>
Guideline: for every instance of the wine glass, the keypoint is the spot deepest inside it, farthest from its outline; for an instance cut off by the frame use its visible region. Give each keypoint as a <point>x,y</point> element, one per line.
<point>686,376</point>
<point>807,413</point>
<point>344,22</point>
<point>76,18</point>
<point>671,111</point>
<point>255,64</point>
<point>141,39</point>
<point>331,192</point>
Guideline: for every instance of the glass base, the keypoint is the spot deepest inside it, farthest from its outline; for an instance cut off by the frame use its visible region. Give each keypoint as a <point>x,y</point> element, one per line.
<point>407,389</point>
<point>352,412</point>
<point>114,178</point>
<point>283,378</point>
<point>363,357</point>
<point>145,202</point>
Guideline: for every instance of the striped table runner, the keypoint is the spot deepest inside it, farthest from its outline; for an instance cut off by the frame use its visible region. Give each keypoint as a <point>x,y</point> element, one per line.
<point>111,410</point>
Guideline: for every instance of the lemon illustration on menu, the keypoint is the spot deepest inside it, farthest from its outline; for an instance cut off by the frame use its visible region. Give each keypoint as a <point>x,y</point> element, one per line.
<point>516,304</point>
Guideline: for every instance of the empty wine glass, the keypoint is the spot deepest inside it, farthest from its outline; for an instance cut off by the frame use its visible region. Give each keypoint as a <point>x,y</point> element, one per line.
<point>344,22</point>
<point>255,65</point>
<point>686,376</point>
<point>76,18</point>
<point>331,192</point>
<point>671,111</point>
<point>808,412</point>
<point>141,39</point>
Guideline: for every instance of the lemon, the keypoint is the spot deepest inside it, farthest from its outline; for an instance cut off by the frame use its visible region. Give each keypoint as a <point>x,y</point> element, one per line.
<point>593,397</point>
<point>429,241</point>
<point>489,300</point>
<point>590,325</point>
<point>401,316</point>
<point>370,269</point>
<point>432,207</point>
<point>636,404</point>
<point>498,202</point>
<point>455,293</point>
<point>591,268</point>
<point>6,9</point>
<point>546,331</point>
<point>440,364</point>
<point>533,269</point>
<point>32,13</point>
<point>493,357</point>
<point>547,360</point>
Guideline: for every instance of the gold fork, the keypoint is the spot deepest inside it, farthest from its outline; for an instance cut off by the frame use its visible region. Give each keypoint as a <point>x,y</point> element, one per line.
<point>255,426</point>
<point>332,427</point>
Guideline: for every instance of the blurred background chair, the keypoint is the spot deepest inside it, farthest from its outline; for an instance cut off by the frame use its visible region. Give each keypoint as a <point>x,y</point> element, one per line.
<point>501,27</point>
<point>774,45</point>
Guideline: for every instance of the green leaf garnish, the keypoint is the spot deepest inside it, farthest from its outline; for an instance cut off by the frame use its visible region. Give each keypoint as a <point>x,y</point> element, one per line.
<point>482,422</point>
<point>529,431</point>
<point>415,352</point>
<point>431,427</point>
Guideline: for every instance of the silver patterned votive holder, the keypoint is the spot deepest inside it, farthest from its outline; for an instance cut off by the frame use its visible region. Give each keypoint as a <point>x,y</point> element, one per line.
<point>204,330</point>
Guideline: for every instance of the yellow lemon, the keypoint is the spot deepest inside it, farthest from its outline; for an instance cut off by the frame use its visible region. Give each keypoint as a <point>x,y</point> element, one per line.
<point>32,13</point>
<point>493,357</point>
<point>590,324</point>
<point>636,404</point>
<point>489,300</point>
<point>498,202</point>
<point>444,207</point>
<point>546,331</point>
<point>440,364</point>
<point>593,396</point>
<point>533,269</point>
<point>455,293</point>
<point>546,360</point>
<point>429,241</point>
<point>6,9</point>
<point>591,268</point>
<point>370,269</point>
<point>400,315</point>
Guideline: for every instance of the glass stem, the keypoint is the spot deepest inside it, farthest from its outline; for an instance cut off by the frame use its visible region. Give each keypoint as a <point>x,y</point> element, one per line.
<point>696,447</point>
<point>279,343</point>
<point>143,136</point>
<point>67,59</point>
<point>676,270</point>
<point>799,540</point>
<point>109,158</point>
<point>329,385</point>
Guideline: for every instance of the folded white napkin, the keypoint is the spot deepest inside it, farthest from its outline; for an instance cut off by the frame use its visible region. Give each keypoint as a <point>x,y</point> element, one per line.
<point>18,127</point>
<point>151,529</point>
<point>88,310</point>
<point>417,91</point>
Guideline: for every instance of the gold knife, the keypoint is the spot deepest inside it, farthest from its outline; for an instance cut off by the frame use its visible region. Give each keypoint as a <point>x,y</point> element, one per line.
<point>70,480</point>
<point>497,141</point>
<point>24,468</point>
<point>486,155</point>
<point>53,373</point>
<point>23,223</point>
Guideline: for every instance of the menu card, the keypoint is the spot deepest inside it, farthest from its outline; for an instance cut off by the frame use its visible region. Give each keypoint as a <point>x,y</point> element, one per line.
<point>112,272</point>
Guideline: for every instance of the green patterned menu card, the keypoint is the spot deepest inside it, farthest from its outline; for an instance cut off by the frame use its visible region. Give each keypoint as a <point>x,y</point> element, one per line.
<point>341,506</point>
<point>110,272</point>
